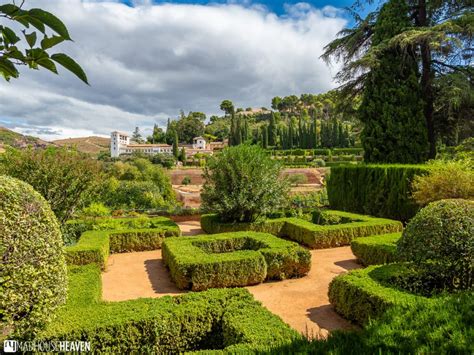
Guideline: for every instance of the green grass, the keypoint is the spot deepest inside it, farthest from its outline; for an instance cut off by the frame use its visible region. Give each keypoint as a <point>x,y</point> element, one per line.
<point>233,259</point>
<point>313,235</point>
<point>377,249</point>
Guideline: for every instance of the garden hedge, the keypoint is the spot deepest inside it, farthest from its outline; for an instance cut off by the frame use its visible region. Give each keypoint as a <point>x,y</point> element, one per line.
<point>227,319</point>
<point>313,235</point>
<point>377,190</point>
<point>376,249</point>
<point>33,271</point>
<point>232,259</point>
<point>365,294</point>
<point>94,246</point>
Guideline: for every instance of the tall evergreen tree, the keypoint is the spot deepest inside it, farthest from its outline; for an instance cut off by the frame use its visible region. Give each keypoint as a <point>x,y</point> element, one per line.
<point>175,145</point>
<point>272,136</point>
<point>392,107</point>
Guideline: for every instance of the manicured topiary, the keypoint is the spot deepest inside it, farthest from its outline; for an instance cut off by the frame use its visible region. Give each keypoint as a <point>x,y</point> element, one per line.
<point>442,236</point>
<point>33,275</point>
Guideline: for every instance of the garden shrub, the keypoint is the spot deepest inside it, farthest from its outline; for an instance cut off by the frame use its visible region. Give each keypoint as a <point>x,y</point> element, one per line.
<point>214,319</point>
<point>377,190</point>
<point>233,259</point>
<point>365,294</point>
<point>441,236</point>
<point>100,237</point>
<point>376,249</point>
<point>242,184</point>
<point>312,235</point>
<point>96,209</point>
<point>33,274</point>
<point>446,180</point>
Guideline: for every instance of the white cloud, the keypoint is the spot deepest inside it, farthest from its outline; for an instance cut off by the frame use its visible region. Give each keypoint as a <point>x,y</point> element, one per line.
<point>145,63</point>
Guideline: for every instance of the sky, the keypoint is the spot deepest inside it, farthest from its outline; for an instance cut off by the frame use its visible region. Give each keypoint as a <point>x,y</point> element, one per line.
<point>147,60</point>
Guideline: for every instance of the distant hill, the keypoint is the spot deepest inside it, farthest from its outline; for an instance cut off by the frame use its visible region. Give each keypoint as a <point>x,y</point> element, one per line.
<point>91,145</point>
<point>17,140</point>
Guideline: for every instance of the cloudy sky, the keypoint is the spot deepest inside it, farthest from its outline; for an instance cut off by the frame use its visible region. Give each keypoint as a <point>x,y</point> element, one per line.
<point>146,61</point>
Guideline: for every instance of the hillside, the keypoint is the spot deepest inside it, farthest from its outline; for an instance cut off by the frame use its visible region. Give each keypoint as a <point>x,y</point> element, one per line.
<point>91,145</point>
<point>17,140</point>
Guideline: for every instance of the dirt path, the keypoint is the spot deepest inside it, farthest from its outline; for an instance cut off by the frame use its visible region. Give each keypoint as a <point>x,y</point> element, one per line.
<point>302,303</point>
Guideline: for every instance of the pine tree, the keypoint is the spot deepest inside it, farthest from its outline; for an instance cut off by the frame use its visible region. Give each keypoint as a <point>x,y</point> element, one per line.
<point>136,136</point>
<point>175,145</point>
<point>392,108</point>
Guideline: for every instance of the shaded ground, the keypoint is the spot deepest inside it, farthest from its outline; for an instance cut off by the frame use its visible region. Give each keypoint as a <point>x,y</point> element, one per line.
<point>302,303</point>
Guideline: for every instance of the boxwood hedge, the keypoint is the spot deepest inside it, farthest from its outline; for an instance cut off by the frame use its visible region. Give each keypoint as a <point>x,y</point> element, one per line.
<point>315,236</point>
<point>94,246</point>
<point>226,319</point>
<point>376,249</point>
<point>365,294</point>
<point>232,259</point>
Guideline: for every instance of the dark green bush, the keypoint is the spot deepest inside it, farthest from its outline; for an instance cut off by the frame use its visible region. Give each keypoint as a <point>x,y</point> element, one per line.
<point>232,259</point>
<point>312,235</point>
<point>442,235</point>
<point>242,184</point>
<point>33,273</point>
<point>377,190</point>
<point>214,319</point>
<point>376,249</point>
<point>365,294</point>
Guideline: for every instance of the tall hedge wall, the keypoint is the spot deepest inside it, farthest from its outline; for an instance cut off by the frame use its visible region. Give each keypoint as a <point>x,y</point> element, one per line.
<point>377,190</point>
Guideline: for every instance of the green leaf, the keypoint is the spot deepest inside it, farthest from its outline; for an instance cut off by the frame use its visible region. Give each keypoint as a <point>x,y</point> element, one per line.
<point>51,21</point>
<point>69,63</point>
<point>7,69</point>
<point>10,35</point>
<point>14,53</point>
<point>49,42</point>
<point>36,23</point>
<point>48,64</point>
<point>30,38</point>
<point>9,9</point>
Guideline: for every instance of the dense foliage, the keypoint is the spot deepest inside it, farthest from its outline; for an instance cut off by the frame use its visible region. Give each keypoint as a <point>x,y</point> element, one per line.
<point>446,179</point>
<point>15,52</point>
<point>137,184</point>
<point>377,190</point>
<point>392,108</point>
<point>67,179</point>
<point>227,319</point>
<point>440,238</point>
<point>33,274</point>
<point>233,259</point>
<point>376,249</point>
<point>242,184</point>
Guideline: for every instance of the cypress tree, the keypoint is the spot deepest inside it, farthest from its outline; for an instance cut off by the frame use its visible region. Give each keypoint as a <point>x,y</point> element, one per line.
<point>392,107</point>
<point>272,131</point>
<point>265,137</point>
<point>182,156</point>
<point>175,145</point>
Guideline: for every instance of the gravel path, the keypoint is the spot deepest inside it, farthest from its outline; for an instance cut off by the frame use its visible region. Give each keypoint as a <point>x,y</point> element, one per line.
<point>302,303</point>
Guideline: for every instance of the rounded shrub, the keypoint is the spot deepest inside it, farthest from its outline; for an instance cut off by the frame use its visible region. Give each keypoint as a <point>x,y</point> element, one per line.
<point>441,236</point>
<point>33,279</point>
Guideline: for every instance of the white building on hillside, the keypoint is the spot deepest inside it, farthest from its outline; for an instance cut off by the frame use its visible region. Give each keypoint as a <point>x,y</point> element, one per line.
<point>120,144</point>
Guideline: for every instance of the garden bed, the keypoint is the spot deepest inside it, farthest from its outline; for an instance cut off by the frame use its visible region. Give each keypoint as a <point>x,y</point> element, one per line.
<point>233,259</point>
<point>315,236</point>
<point>226,319</point>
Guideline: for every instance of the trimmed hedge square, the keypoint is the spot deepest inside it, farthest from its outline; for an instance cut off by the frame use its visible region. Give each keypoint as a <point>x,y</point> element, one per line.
<point>94,246</point>
<point>232,259</point>
<point>376,249</point>
<point>229,320</point>
<point>338,228</point>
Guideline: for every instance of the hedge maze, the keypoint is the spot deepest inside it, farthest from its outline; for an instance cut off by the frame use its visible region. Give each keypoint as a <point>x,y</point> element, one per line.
<point>335,228</point>
<point>233,259</point>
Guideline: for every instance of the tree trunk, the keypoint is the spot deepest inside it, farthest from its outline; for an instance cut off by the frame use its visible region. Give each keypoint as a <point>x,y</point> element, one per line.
<point>427,81</point>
